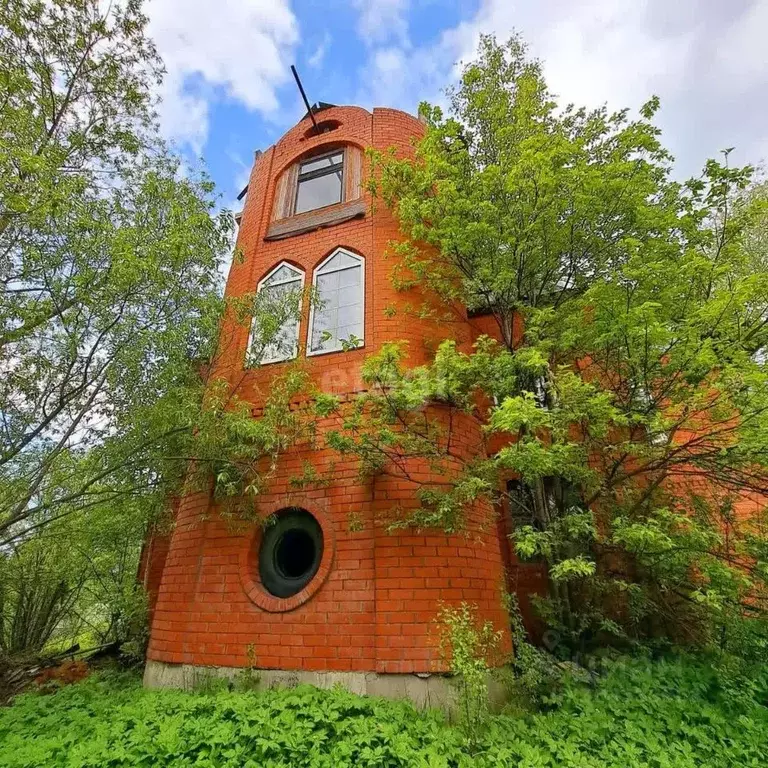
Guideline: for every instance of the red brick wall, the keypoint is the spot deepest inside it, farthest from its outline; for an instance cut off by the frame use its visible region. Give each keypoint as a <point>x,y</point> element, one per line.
<point>378,591</point>
<point>151,566</point>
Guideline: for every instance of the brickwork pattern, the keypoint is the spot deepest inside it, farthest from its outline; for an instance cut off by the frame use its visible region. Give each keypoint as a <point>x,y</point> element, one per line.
<point>375,603</point>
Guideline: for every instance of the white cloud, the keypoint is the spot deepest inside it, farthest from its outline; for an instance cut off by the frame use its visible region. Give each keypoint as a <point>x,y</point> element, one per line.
<point>593,51</point>
<point>238,47</point>
<point>316,59</point>
<point>395,77</point>
<point>705,59</point>
<point>601,52</point>
<point>382,20</point>
<point>742,52</point>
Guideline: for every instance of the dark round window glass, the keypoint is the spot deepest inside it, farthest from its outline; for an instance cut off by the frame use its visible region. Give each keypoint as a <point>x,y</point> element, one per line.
<point>290,553</point>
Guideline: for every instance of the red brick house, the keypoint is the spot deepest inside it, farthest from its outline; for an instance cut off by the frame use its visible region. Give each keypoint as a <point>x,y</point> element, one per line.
<point>308,597</point>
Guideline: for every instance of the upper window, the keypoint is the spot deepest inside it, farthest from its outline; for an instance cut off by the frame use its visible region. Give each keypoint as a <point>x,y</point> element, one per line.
<point>275,328</point>
<point>522,505</point>
<point>320,182</point>
<point>337,314</point>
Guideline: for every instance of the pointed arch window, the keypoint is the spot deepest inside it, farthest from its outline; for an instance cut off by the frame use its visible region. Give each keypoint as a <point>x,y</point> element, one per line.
<point>337,316</point>
<point>275,327</point>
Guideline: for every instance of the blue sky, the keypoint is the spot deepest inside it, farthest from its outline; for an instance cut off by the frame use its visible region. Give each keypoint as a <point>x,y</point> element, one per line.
<point>229,90</point>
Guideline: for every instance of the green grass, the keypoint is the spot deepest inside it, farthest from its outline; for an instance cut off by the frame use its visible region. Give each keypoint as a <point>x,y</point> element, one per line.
<point>671,713</point>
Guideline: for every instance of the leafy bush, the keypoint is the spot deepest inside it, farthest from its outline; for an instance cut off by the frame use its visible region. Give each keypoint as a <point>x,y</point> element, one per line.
<point>35,593</point>
<point>676,713</point>
<point>533,672</point>
<point>679,712</point>
<point>469,646</point>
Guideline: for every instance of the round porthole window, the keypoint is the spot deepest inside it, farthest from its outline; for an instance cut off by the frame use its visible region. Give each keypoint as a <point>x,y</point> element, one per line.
<point>290,553</point>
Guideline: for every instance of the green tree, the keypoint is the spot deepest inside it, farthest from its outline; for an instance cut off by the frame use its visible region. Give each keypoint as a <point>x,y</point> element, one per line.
<point>110,314</point>
<point>640,371</point>
<point>109,256</point>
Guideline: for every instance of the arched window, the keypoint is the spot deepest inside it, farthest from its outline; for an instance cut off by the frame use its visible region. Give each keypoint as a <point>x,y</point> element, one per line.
<point>318,190</point>
<point>339,302</point>
<point>275,326</point>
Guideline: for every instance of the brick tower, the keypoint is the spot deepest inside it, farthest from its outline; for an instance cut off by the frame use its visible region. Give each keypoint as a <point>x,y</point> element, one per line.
<point>308,598</point>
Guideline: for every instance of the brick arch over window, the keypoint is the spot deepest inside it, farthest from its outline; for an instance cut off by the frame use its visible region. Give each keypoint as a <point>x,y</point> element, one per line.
<point>284,205</point>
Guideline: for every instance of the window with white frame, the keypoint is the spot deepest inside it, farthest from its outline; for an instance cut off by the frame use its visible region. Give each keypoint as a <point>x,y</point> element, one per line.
<point>275,327</point>
<point>339,303</point>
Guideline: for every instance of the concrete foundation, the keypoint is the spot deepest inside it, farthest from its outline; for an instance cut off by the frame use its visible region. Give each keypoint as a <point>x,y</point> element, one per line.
<point>426,691</point>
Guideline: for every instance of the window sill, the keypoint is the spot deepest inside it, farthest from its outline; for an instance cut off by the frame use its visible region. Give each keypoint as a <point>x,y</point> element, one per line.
<point>334,350</point>
<point>252,366</point>
<point>258,366</point>
<point>312,220</point>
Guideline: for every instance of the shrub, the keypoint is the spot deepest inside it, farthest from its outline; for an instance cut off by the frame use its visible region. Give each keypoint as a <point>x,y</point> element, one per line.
<point>672,713</point>
<point>469,648</point>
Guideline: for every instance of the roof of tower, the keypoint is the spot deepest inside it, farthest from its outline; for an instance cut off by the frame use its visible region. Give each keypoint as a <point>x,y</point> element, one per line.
<point>318,107</point>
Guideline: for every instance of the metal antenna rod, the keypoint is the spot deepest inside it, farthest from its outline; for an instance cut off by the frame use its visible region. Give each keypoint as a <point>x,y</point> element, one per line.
<point>304,96</point>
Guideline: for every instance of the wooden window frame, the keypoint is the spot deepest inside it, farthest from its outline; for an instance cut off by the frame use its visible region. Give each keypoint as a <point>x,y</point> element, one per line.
<point>285,222</point>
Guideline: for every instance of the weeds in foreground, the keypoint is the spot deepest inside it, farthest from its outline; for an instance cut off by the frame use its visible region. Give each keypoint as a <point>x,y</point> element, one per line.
<point>677,712</point>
